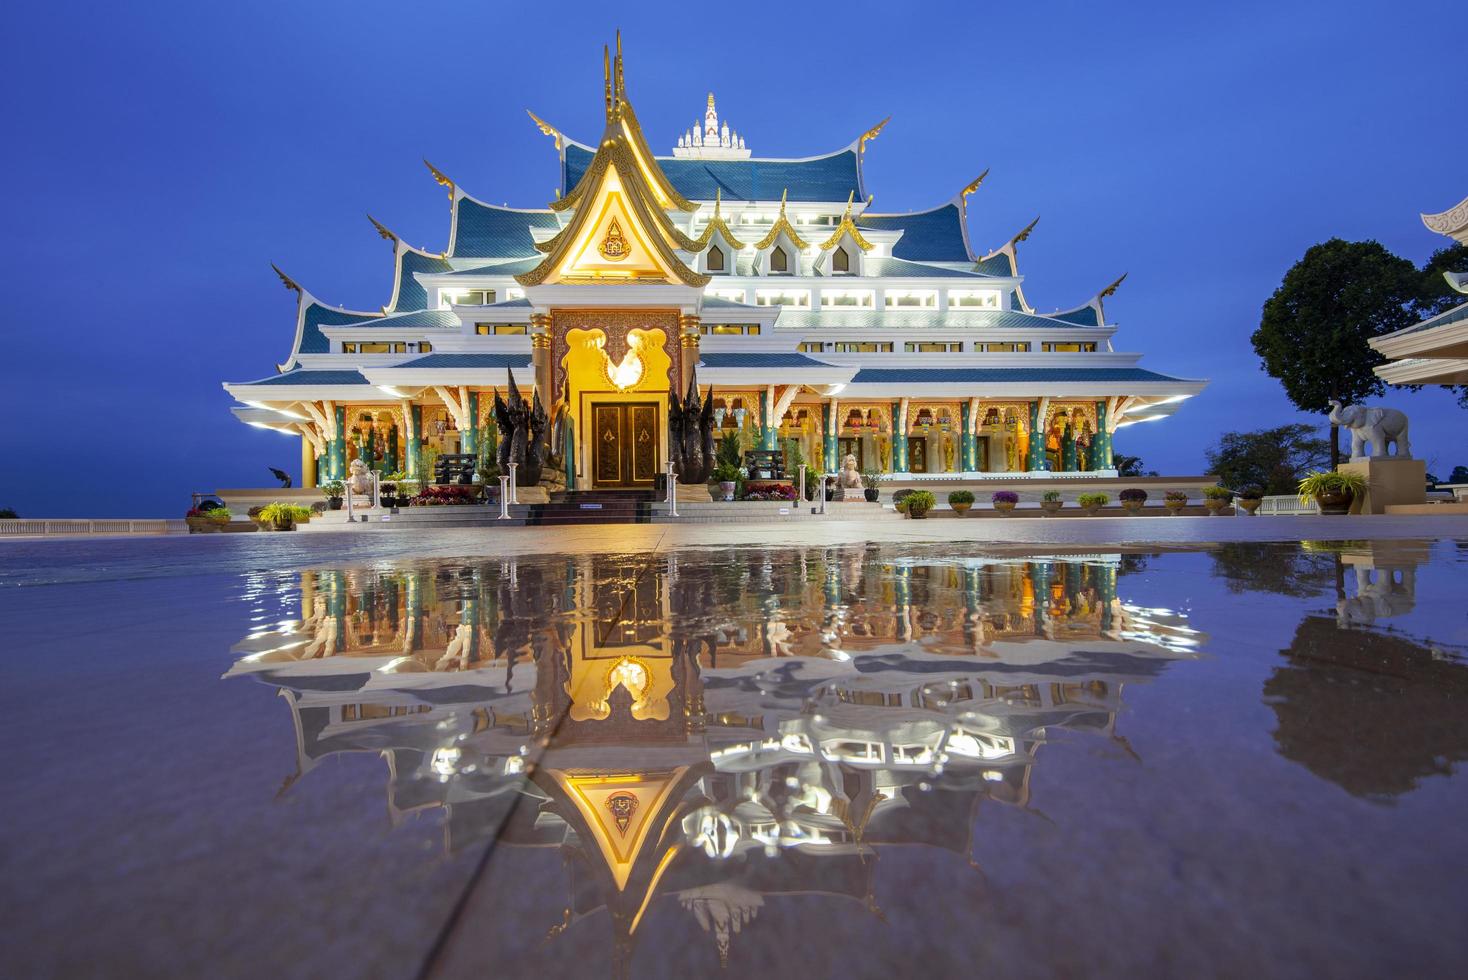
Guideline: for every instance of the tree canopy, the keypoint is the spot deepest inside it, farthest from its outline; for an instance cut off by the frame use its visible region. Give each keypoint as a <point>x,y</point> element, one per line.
<point>1435,295</point>
<point>1272,459</point>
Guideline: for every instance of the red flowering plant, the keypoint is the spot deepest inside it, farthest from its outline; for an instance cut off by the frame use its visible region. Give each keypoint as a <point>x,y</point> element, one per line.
<point>777,491</point>
<point>437,496</point>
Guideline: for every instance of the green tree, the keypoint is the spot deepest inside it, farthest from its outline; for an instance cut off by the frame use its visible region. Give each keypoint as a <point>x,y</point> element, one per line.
<point>1435,295</point>
<point>1273,459</point>
<point>1459,475</point>
<point>1129,465</point>
<point>1313,332</point>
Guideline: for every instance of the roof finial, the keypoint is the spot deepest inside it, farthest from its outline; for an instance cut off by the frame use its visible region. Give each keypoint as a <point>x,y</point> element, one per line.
<point>783,195</point>
<point>289,282</point>
<point>547,129</point>
<point>871,134</point>
<point>606,72</point>
<point>1026,233</point>
<point>974,184</point>
<point>718,200</point>
<point>621,84</point>
<point>438,175</point>
<point>1111,288</point>
<point>383,229</point>
<point>850,196</point>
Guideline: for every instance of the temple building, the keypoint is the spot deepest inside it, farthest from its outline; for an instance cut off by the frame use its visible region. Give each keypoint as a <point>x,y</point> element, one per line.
<point>817,321</point>
<point>1435,351</point>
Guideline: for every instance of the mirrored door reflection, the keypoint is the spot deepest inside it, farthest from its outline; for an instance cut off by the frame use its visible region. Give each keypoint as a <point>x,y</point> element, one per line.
<point>717,730</point>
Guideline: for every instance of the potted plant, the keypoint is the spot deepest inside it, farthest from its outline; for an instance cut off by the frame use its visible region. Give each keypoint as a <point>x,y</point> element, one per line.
<point>206,519</point>
<point>1004,501</point>
<point>919,502</point>
<point>871,482</point>
<point>899,500</point>
<point>283,517</point>
<point>1249,499</point>
<point>1050,502</point>
<point>1333,492</point>
<point>1132,498</point>
<point>334,491</point>
<point>1175,501</point>
<point>812,482</point>
<point>727,475</point>
<point>1090,503</point>
<point>1216,499</point>
<point>961,501</point>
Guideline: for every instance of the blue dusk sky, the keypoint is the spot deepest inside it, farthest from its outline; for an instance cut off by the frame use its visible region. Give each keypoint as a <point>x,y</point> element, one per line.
<point>159,156</point>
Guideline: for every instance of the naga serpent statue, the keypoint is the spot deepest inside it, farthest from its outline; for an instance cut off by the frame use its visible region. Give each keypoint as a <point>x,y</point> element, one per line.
<point>522,434</point>
<point>691,433</point>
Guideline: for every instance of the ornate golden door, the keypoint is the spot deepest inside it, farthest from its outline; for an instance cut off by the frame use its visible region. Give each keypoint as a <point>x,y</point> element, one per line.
<point>625,448</point>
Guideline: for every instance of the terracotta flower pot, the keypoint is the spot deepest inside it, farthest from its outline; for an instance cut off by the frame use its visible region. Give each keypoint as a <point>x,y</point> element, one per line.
<point>1215,505</point>
<point>1174,507</point>
<point>1051,507</point>
<point>1092,510</point>
<point>1133,506</point>
<point>960,509</point>
<point>917,515</point>
<point>1005,507</point>
<point>1249,506</point>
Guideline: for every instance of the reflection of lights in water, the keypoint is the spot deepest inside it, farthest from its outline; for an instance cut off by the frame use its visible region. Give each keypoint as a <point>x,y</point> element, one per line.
<point>514,765</point>
<point>445,762</point>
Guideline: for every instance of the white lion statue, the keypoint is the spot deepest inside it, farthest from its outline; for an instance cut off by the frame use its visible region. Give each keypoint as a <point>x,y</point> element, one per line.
<point>359,477</point>
<point>850,477</point>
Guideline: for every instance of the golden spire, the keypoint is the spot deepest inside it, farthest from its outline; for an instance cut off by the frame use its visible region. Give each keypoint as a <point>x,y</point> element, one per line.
<point>717,223</point>
<point>606,73</point>
<point>1111,288</point>
<point>974,184</point>
<point>871,134</point>
<point>846,227</point>
<point>289,282</point>
<point>382,229</point>
<point>782,223</point>
<point>548,130</point>
<point>621,84</point>
<point>1026,233</point>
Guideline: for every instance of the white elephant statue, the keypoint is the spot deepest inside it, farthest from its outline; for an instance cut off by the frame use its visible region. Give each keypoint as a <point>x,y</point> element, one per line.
<point>1381,592</point>
<point>1381,427</point>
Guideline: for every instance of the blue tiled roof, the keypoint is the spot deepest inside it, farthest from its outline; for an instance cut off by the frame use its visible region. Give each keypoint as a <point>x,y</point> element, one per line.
<point>489,232</point>
<point>415,319</point>
<point>996,265</point>
<point>1001,374</point>
<point>468,361</point>
<point>900,268</point>
<point>1083,317</point>
<point>927,236</point>
<point>718,303</point>
<point>828,178</point>
<point>515,268</point>
<point>411,295</point>
<point>313,341</point>
<point>758,359</point>
<point>299,376</point>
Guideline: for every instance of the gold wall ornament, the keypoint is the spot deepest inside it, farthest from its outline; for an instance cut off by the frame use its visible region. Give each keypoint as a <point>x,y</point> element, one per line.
<point>614,247</point>
<point>627,372</point>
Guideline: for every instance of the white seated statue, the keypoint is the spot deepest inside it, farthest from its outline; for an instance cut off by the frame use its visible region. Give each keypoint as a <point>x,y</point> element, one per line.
<point>359,479</point>
<point>849,479</point>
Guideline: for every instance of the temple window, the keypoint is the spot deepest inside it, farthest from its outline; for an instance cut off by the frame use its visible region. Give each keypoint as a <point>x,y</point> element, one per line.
<point>863,347</point>
<point>716,259</point>
<point>501,329</point>
<point>812,346</point>
<point>983,299</point>
<point>840,262</point>
<point>1069,348</point>
<point>1005,347</point>
<point>732,295</point>
<point>927,298</point>
<point>514,292</point>
<point>865,298</point>
<point>799,298</point>
<point>424,347</point>
<point>467,297</point>
<point>726,329</point>
<point>932,347</point>
<point>375,347</point>
<point>779,261</point>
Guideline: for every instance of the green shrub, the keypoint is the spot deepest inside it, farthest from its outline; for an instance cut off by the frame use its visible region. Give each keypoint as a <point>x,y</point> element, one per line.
<point>333,489</point>
<point>1050,496</point>
<point>1320,482</point>
<point>920,501</point>
<point>1176,496</point>
<point>1218,493</point>
<point>727,473</point>
<point>279,513</point>
<point>871,479</point>
<point>961,497</point>
<point>1093,500</point>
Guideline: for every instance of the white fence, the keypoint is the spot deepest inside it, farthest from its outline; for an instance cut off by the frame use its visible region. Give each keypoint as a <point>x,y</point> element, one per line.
<point>1287,504</point>
<point>72,526</point>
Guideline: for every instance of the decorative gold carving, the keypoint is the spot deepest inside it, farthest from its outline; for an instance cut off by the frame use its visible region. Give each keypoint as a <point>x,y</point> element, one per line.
<point>540,341</point>
<point>614,246</point>
<point>782,223</point>
<point>846,227</point>
<point>617,327</point>
<point>1026,232</point>
<point>974,184</point>
<point>1111,288</point>
<point>548,130</point>
<point>871,134</point>
<point>716,223</point>
<point>439,176</point>
<point>382,230</point>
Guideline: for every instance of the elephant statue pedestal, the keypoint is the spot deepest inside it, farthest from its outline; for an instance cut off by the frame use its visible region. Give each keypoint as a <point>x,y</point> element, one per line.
<point>1389,480</point>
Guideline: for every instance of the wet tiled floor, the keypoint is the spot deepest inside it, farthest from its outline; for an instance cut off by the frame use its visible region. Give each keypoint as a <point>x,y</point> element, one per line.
<point>850,759</point>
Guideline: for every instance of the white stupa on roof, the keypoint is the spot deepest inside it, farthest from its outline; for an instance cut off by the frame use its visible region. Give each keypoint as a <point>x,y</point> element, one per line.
<point>710,140</point>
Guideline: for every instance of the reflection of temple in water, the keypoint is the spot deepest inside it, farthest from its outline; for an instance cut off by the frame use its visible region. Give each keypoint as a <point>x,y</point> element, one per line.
<point>723,729</point>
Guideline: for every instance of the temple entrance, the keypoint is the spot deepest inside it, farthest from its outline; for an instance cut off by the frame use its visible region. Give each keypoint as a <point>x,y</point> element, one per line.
<point>624,450</point>
<point>849,446</point>
<point>917,454</point>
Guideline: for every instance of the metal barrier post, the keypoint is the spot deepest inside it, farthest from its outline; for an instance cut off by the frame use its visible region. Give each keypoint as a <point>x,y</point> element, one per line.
<point>800,490</point>
<point>514,490</point>
<point>672,491</point>
<point>504,499</point>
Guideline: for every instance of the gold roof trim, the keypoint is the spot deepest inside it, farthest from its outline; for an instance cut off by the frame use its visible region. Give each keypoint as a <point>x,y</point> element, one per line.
<point>548,130</point>
<point>383,230</point>
<point>974,185</point>
<point>290,283</point>
<point>782,223</point>
<point>439,176</point>
<point>717,224</point>
<point>871,134</point>
<point>846,227</point>
<point>1109,290</point>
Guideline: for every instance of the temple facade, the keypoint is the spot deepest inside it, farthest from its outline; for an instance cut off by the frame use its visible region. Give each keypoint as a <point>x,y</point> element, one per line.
<point>1435,351</point>
<point>818,322</point>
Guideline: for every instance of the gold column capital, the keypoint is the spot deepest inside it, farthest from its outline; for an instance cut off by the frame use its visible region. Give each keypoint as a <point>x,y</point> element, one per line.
<point>540,341</point>
<point>540,320</point>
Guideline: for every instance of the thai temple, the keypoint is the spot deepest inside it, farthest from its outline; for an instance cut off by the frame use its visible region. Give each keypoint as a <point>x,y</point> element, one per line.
<point>698,743</point>
<point>773,281</point>
<point>1435,351</point>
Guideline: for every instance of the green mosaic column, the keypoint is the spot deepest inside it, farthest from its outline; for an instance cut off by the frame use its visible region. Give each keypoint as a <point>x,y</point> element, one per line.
<point>393,463</point>
<point>337,470</point>
<point>1036,456</point>
<point>1106,590</point>
<point>1069,459</point>
<point>1101,445</point>
<point>469,438</point>
<point>830,442</point>
<point>769,429</point>
<point>969,443</point>
<point>415,439</point>
<point>414,603</point>
<point>1040,576</point>
<point>899,440</point>
<point>336,603</point>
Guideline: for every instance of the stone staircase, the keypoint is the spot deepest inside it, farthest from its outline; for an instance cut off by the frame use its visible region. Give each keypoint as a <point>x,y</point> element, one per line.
<point>593,507</point>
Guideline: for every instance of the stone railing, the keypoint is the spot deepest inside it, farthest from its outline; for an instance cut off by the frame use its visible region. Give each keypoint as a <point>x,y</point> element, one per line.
<point>1286,503</point>
<point>54,527</point>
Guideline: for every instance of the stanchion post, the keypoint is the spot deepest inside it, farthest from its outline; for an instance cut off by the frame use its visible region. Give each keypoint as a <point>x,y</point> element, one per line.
<point>514,490</point>
<point>672,491</point>
<point>504,499</point>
